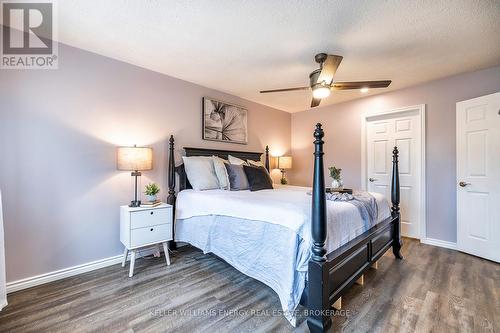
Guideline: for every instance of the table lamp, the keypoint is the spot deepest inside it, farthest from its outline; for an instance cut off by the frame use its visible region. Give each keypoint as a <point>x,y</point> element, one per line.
<point>284,162</point>
<point>135,159</point>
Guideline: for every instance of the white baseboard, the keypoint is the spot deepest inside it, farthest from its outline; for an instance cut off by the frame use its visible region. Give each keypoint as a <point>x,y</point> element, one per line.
<point>93,265</point>
<point>71,271</point>
<point>440,243</point>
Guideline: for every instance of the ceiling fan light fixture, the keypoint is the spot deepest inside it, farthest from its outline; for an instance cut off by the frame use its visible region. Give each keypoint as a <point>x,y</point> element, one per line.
<point>321,91</point>
<point>364,90</point>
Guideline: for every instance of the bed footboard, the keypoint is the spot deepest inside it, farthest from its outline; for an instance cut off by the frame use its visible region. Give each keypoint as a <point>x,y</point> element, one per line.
<point>330,275</point>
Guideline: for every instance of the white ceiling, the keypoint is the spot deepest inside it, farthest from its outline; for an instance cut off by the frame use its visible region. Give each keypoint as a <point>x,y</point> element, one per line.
<point>241,47</point>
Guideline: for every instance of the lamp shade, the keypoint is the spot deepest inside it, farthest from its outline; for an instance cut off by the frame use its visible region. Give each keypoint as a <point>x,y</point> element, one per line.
<point>134,158</point>
<point>284,162</point>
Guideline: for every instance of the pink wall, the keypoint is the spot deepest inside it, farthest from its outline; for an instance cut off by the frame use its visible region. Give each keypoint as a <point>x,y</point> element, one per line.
<point>342,124</point>
<point>58,133</point>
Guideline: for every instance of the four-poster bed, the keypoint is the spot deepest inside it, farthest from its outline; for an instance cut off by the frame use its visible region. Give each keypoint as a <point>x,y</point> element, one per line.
<point>329,275</point>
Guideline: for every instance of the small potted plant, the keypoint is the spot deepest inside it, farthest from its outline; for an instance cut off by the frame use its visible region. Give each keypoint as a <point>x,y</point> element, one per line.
<point>335,173</point>
<point>151,192</point>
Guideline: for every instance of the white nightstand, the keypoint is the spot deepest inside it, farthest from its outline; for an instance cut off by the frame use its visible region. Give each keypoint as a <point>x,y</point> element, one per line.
<point>141,227</point>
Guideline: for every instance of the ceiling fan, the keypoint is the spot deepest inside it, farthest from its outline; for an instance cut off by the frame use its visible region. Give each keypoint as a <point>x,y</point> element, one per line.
<point>322,80</point>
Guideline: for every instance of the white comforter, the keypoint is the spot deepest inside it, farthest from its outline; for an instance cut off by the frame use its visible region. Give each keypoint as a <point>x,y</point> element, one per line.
<point>266,234</point>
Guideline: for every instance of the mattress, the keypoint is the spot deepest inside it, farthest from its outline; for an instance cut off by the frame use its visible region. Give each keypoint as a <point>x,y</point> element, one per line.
<point>266,234</point>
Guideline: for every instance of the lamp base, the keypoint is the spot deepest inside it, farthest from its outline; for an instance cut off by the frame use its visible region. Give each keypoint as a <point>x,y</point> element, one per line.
<point>283,177</point>
<point>135,203</point>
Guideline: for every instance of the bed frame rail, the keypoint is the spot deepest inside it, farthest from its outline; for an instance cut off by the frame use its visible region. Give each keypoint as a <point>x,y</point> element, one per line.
<point>330,275</point>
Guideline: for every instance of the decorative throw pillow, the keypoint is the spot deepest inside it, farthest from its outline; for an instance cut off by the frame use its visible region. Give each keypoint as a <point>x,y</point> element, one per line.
<point>200,172</point>
<point>235,160</point>
<point>255,163</point>
<point>221,172</point>
<point>237,178</point>
<point>258,178</point>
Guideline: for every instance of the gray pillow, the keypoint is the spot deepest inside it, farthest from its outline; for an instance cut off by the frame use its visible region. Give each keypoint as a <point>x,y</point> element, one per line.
<point>237,177</point>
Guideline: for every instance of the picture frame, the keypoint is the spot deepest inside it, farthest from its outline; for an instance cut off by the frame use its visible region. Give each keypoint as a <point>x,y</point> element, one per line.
<point>224,122</point>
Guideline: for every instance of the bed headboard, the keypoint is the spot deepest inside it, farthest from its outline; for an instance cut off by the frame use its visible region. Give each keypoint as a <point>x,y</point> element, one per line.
<point>244,155</point>
<point>190,151</point>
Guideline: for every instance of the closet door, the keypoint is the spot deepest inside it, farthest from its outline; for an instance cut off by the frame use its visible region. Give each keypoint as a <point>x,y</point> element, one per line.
<point>383,132</point>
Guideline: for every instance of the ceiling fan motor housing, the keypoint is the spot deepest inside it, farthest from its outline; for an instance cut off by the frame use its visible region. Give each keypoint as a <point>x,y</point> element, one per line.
<point>320,57</point>
<point>313,79</point>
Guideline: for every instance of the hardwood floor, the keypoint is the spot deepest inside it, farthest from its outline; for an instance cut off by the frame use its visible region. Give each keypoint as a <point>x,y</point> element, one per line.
<point>432,290</point>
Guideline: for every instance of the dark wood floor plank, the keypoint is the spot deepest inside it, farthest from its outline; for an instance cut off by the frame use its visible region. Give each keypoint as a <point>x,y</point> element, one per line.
<point>432,290</point>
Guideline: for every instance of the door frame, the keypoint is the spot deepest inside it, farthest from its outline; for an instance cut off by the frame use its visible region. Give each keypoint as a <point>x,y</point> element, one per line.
<point>420,108</point>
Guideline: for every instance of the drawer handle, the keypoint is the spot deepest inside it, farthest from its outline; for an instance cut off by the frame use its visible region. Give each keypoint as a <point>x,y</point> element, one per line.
<point>151,229</point>
<point>151,213</point>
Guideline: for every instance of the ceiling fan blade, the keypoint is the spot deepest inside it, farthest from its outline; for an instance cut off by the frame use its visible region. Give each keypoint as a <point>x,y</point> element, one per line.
<point>329,68</point>
<point>361,84</point>
<point>315,102</point>
<point>285,89</point>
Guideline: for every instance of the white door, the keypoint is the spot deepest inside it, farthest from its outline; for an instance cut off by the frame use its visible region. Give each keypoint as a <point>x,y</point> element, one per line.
<point>404,130</point>
<point>478,176</point>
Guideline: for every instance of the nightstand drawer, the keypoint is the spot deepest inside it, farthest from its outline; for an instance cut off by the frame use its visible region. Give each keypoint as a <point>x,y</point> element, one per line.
<point>149,235</point>
<point>150,217</point>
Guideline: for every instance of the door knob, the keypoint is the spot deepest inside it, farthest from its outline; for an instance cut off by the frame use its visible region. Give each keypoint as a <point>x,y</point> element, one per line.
<point>372,179</point>
<point>463,184</point>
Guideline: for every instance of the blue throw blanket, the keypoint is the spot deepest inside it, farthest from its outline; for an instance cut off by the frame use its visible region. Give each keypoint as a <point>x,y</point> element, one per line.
<point>363,201</point>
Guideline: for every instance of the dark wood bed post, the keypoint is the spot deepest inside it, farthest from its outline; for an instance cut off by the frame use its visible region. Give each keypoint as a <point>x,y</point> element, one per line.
<point>397,243</point>
<point>171,186</point>
<point>266,163</point>
<point>318,298</point>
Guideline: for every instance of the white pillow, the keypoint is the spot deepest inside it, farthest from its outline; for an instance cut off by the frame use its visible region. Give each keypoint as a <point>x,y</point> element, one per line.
<point>221,172</point>
<point>236,160</point>
<point>255,163</point>
<point>200,172</point>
